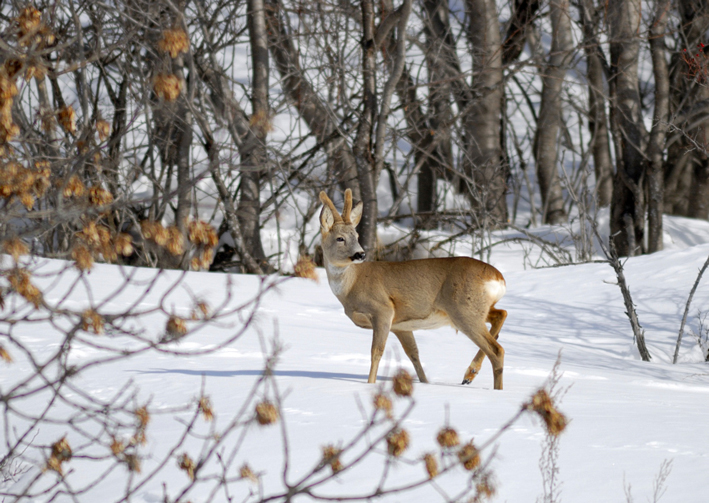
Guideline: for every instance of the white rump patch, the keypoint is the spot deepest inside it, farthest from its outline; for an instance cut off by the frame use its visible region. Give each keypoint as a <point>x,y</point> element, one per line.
<point>496,289</point>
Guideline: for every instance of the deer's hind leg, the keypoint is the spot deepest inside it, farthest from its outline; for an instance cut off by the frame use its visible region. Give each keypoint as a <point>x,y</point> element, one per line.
<point>496,318</point>
<point>409,344</point>
<point>475,328</point>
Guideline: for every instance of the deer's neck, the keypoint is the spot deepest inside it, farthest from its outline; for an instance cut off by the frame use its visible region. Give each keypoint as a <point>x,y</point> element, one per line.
<point>341,278</point>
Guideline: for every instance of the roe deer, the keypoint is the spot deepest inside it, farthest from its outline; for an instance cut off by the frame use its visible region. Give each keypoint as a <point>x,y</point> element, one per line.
<point>412,295</point>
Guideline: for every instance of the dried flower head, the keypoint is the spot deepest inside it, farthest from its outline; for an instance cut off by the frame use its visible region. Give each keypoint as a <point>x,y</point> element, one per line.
<point>154,231</point>
<point>397,442</point>
<point>168,86</point>
<point>35,69</point>
<point>383,402</point>
<point>331,456</point>
<point>469,456</point>
<point>16,248</point>
<point>92,322</point>
<point>20,283</point>
<point>74,187</point>
<point>403,383</point>
<point>266,413</point>
<point>117,446</point>
<point>447,438</point>
<point>431,465</point>
<point>103,128</point>
<point>205,406</point>
<point>305,268</point>
<point>61,452</point>
<point>4,355</point>
<point>124,244</point>
<point>174,41</point>
<point>543,405</point>
<point>132,462</point>
<point>29,22</point>
<point>8,90</point>
<point>176,327</point>
<point>175,241</point>
<point>12,67</point>
<point>143,416</point>
<point>67,119</point>
<point>82,257</point>
<point>245,472</point>
<point>98,196</point>
<point>485,487</point>
<point>202,233</point>
<point>187,464</point>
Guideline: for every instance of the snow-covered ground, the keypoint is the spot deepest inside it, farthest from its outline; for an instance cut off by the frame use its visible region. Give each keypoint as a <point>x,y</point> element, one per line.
<point>626,416</point>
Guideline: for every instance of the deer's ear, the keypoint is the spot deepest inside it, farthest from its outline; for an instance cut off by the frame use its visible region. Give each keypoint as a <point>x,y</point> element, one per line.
<point>356,214</point>
<point>327,220</point>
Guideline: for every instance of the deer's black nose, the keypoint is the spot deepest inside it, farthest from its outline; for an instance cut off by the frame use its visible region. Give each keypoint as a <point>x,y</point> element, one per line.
<point>357,256</point>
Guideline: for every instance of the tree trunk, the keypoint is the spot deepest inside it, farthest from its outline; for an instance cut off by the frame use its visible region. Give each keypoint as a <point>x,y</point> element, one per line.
<point>362,147</point>
<point>483,153</point>
<point>627,206</point>
<point>546,137</point>
<point>656,143</point>
<point>516,36</point>
<point>253,154</point>
<point>597,118</point>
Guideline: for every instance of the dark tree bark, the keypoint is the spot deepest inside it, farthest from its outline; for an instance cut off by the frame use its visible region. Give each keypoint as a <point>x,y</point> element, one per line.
<point>597,117</point>
<point>522,16</point>
<point>627,206</point>
<point>547,134</point>
<point>254,160</point>
<point>483,152</point>
<point>656,143</point>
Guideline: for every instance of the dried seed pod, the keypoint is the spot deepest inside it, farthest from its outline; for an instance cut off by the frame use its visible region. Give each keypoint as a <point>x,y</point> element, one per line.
<point>431,465</point>
<point>74,187</point>
<point>67,119</point>
<point>397,442</point>
<point>12,67</point>
<point>103,128</point>
<point>266,413</point>
<point>20,283</point>
<point>168,86</point>
<point>143,416</point>
<point>117,446</point>
<point>403,383</point>
<point>383,402</point>
<point>331,456</point>
<point>447,438</point>
<point>82,258</point>
<point>92,322</point>
<point>29,22</point>
<point>16,248</point>
<point>176,327</point>
<point>205,406</point>
<point>543,405</point>
<point>469,456</point>
<point>98,196</point>
<point>61,453</point>
<point>305,268</point>
<point>175,241</point>
<point>4,355</point>
<point>174,42</point>
<point>133,462</point>
<point>124,244</point>
<point>187,464</point>
<point>245,472</point>
<point>485,487</point>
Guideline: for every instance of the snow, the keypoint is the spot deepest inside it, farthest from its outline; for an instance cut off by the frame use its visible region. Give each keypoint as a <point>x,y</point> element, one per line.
<point>626,416</point>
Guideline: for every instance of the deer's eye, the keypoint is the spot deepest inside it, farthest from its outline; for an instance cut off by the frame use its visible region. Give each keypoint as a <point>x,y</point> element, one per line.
<point>340,240</point>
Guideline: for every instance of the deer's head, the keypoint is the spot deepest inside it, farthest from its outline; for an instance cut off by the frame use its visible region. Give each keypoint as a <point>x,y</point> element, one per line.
<point>339,238</point>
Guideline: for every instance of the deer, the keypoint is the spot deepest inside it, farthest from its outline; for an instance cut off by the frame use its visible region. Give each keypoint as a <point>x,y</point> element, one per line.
<point>422,294</point>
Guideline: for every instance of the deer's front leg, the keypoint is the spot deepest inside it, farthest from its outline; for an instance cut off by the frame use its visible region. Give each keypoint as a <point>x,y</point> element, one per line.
<point>381,323</point>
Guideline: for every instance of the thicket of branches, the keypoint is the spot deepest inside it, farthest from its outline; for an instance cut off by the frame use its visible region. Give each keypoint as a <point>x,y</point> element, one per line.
<point>128,129</point>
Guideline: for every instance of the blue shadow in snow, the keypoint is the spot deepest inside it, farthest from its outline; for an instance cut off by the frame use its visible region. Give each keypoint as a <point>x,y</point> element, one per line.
<point>277,373</point>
